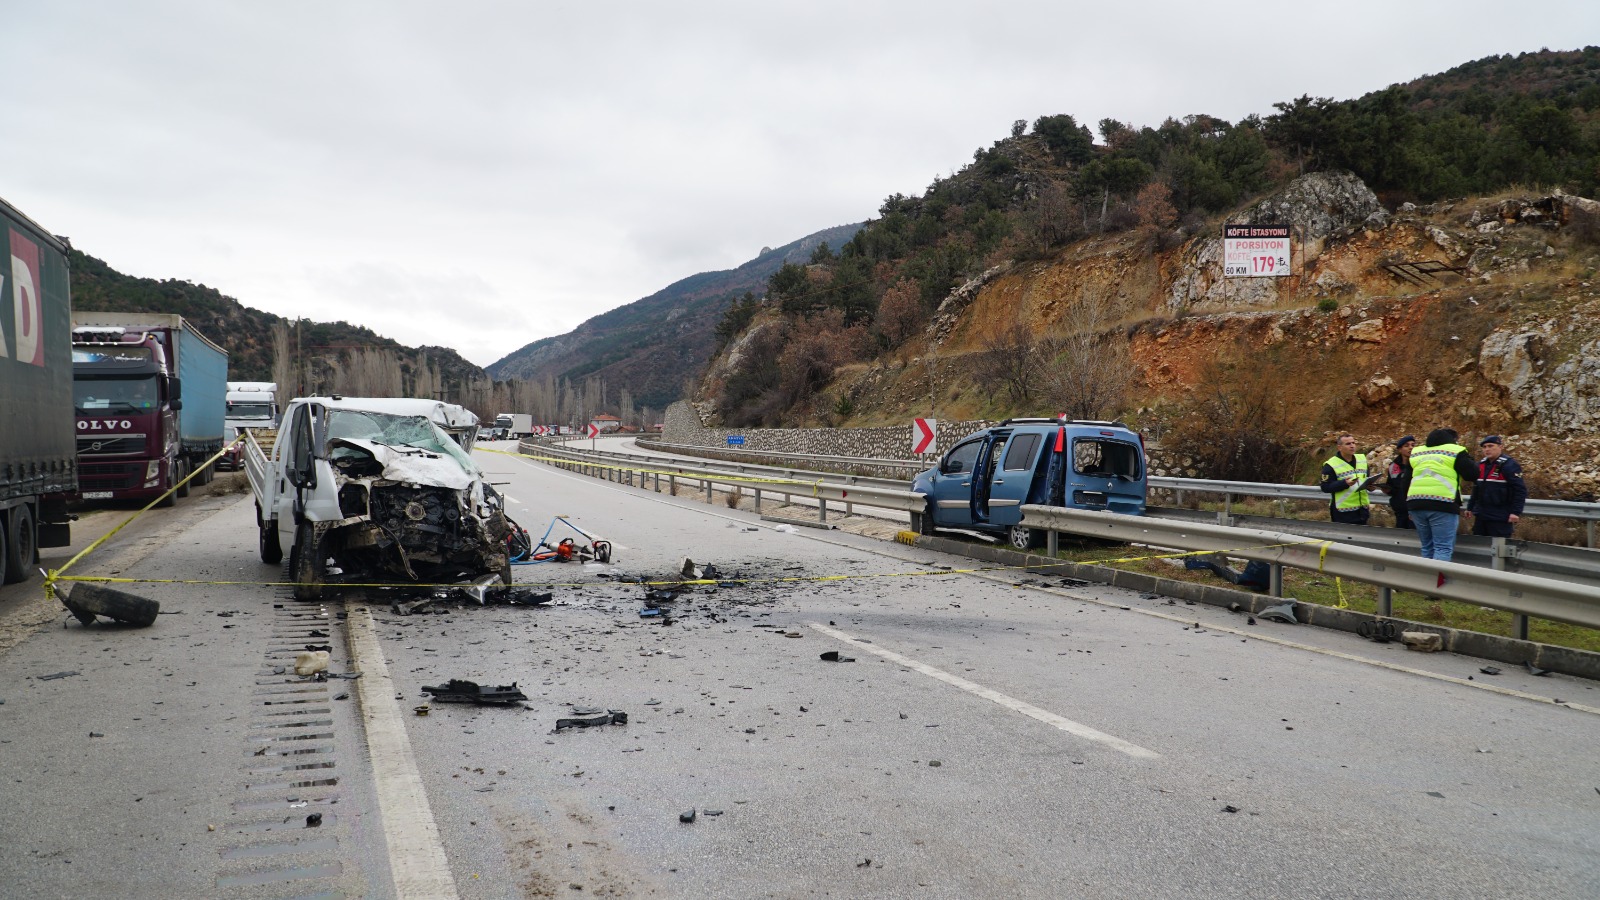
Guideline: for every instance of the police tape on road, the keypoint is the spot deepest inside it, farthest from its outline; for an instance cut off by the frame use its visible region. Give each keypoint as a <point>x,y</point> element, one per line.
<point>814,484</point>
<point>52,576</point>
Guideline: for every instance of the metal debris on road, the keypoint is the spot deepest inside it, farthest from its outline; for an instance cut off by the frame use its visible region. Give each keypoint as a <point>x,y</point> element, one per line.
<point>608,717</point>
<point>1489,670</point>
<point>1535,670</point>
<point>54,676</point>
<point>686,816</point>
<point>461,691</point>
<point>833,656</point>
<point>1281,613</point>
<point>314,820</point>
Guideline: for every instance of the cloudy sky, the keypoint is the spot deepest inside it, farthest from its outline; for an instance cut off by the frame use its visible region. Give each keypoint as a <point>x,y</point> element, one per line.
<point>482,174</point>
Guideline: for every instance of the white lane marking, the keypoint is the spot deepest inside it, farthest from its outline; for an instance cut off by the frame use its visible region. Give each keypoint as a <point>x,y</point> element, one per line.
<point>416,856</point>
<point>1012,703</point>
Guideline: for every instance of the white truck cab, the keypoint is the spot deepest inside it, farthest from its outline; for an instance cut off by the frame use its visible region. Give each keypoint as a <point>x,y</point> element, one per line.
<point>375,491</point>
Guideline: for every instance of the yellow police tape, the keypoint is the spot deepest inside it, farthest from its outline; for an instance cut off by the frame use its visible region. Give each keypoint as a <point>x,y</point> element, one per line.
<point>54,575</point>
<point>672,582</point>
<point>905,537</point>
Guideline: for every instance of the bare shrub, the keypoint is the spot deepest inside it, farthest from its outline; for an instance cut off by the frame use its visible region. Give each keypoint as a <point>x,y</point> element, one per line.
<point>1238,429</point>
<point>1007,360</point>
<point>1086,371</point>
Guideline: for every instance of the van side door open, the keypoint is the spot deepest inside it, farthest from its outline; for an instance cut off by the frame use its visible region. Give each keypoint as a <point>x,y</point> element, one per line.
<point>950,488</point>
<point>1013,479</point>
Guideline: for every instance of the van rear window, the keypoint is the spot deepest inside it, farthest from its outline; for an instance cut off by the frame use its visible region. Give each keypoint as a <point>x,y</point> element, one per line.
<point>1106,458</point>
<point>1020,455</point>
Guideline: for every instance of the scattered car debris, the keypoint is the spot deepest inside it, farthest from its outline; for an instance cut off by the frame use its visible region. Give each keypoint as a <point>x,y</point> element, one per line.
<point>87,600</point>
<point>461,691</point>
<point>1230,808</point>
<point>1379,631</point>
<point>1535,670</point>
<point>310,662</point>
<point>833,656</point>
<point>1489,670</point>
<point>649,611</point>
<point>95,734</point>
<point>591,720</point>
<point>327,647</point>
<point>421,710</point>
<point>54,676</point>
<point>1283,612</point>
<point>686,817</point>
<point>314,820</point>
<point>689,570</point>
<point>711,812</point>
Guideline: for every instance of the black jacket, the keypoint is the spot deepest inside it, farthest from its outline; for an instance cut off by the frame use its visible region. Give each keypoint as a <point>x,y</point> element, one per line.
<point>1500,492</point>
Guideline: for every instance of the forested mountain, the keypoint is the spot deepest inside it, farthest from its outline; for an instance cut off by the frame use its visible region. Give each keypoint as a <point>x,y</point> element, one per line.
<point>323,350</point>
<point>653,346</point>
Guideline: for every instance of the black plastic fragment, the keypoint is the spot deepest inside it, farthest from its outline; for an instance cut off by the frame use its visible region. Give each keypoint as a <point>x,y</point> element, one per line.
<point>460,691</point>
<point>54,676</point>
<point>314,820</point>
<point>1535,670</point>
<point>609,717</point>
<point>686,816</point>
<point>833,656</point>
<point>1489,670</point>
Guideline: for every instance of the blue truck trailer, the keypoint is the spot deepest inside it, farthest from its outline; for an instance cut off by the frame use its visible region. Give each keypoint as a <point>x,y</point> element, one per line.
<point>38,463</point>
<point>150,393</point>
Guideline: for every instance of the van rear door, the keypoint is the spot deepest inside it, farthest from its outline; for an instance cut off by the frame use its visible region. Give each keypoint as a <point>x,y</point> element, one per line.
<point>1107,472</point>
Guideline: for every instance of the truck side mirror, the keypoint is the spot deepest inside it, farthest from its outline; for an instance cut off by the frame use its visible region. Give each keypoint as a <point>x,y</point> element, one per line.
<point>176,404</point>
<point>175,390</point>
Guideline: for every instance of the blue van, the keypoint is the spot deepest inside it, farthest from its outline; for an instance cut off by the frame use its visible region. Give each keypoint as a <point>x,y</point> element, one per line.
<point>982,482</point>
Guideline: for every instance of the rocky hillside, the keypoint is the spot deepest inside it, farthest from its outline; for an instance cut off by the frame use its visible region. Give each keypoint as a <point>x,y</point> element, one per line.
<point>654,345</point>
<point>1479,314</point>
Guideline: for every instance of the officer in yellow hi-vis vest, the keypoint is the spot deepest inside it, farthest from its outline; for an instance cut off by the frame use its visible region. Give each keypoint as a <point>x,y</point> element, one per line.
<point>1438,470</point>
<point>1344,475</point>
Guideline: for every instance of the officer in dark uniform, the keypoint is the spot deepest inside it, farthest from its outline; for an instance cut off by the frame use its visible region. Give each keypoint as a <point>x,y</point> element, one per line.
<point>1499,495</point>
<point>1399,479</point>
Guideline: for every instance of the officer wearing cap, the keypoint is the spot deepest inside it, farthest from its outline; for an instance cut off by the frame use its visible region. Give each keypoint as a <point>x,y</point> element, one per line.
<point>1400,479</point>
<point>1500,493</point>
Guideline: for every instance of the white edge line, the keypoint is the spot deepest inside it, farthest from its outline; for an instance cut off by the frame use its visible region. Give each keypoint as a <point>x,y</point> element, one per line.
<point>1049,718</point>
<point>416,856</point>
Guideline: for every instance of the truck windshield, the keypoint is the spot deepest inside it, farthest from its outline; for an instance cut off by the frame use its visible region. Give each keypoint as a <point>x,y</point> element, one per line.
<point>1105,458</point>
<point>249,410</point>
<point>396,431</point>
<point>103,396</point>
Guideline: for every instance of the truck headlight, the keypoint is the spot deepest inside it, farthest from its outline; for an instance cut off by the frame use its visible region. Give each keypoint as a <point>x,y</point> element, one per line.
<point>153,469</point>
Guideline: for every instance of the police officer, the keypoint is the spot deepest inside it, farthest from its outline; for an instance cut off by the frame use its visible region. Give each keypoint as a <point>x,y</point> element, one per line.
<point>1400,479</point>
<point>1500,493</point>
<point>1433,498</point>
<point>1342,476</point>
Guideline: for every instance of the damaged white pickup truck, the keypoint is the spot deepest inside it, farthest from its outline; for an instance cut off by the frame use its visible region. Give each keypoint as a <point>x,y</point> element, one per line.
<point>364,493</point>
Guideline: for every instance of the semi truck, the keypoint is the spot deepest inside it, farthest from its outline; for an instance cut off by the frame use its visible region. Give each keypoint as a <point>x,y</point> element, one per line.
<point>38,463</point>
<point>250,404</point>
<point>514,425</point>
<point>149,393</point>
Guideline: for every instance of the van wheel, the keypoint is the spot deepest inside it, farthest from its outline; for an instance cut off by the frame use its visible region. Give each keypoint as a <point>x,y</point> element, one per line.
<point>305,564</point>
<point>922,522</point>
<point>1021,537</point>
<point>271,547</point>
<point>18,554</point>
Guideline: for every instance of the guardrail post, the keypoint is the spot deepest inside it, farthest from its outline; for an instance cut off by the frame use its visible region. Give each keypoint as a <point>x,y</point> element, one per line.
<point>1275,580</point>
<point>849,508</point>
<point>708,491</point>
<point>822,509</point>
<point>1519,622</point>
<point>1052,541</point>
<point>1519,626</point>
<point>1385,602</point>
<point>1225,518</point>
<point>1590,529</point>
<point>758,500</point>
<point>672,482</point>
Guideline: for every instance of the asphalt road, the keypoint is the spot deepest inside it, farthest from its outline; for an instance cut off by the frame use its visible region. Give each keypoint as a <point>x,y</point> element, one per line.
<point>992,737</point>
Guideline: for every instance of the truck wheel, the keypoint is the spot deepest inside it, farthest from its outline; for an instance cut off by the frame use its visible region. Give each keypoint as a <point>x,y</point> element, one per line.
<point>19,553</point>
<point>1021,537</point>
<point>183,472</point>
<point>305,565</point>
<point>271,547</point>
<point>3,567</point>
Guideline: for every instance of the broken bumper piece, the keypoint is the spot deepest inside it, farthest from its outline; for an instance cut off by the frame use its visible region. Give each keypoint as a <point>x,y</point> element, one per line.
<point>609,717</point>
<point>459,691</point>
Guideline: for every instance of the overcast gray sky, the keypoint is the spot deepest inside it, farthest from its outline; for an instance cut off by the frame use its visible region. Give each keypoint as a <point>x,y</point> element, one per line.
<point>483,174</point>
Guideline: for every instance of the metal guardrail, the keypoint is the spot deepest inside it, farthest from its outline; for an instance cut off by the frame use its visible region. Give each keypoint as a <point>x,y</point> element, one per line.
<point>1586,512</point>
<point>1521,594</point>
<point>1572,564</point>
<point>784,483</point>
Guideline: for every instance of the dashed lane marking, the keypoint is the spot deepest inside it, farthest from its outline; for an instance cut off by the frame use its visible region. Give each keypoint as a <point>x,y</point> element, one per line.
<point>1043,715</point>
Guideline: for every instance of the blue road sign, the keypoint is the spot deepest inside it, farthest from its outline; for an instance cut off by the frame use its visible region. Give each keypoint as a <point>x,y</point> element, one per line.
<point>735,440</point>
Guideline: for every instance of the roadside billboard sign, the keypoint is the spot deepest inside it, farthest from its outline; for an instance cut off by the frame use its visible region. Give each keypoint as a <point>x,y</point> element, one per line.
<point>1255,251</point>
